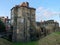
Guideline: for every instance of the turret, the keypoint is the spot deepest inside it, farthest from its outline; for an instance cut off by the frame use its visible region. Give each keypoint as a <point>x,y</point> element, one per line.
<point>25,4</point>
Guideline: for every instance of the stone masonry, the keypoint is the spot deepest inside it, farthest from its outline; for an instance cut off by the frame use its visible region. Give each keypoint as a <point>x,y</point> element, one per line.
<point>22,19</point>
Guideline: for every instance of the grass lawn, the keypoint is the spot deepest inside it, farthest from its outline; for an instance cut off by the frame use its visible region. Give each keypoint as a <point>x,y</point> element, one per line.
<point>52,39</point>
<point>5,42</point>
<point>27,43</point>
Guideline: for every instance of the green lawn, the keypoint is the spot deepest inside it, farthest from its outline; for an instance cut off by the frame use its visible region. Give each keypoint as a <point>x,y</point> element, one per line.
<point>52,39</point>
<point>27,43</point>
<point>57,32</point>
<point>5,42</point>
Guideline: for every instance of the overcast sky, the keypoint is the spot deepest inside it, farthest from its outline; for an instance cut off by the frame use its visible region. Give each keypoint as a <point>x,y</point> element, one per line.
<point>45,9</point>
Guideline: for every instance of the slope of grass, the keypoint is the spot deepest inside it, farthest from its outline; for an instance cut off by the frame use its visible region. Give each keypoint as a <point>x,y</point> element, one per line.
<point>52,39</point>
<point>4,42</point>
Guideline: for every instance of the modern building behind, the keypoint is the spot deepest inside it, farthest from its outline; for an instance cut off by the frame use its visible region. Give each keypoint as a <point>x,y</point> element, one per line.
<point>22,20</point>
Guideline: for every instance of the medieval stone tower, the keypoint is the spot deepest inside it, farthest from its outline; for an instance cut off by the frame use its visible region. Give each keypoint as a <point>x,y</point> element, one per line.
<point>22,20</point>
